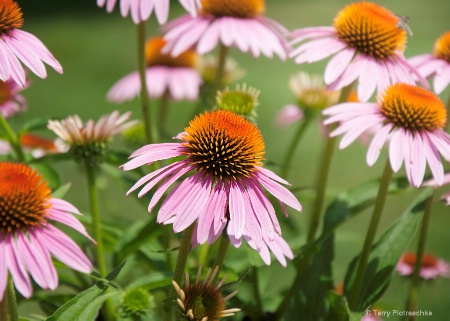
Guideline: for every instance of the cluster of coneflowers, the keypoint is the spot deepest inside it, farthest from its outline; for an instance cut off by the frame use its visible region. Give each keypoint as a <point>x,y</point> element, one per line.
<point>210,183</point>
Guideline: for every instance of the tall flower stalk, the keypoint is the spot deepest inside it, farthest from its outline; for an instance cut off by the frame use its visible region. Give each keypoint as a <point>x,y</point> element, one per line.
<point>147,116</point>
<point>416,279</point>
<point>12,138</point>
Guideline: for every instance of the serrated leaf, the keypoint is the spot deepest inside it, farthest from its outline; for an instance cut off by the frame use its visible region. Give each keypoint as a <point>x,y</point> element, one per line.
<point>386,253</point>
<point>86,304</point>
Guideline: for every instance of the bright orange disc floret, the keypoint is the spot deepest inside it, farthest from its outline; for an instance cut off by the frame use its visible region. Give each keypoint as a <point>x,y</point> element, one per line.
<point>234,8</point>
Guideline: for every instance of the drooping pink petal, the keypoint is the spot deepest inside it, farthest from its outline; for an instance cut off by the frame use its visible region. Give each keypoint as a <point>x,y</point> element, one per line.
<point>280,192</point>
<point>367,79</point>
<point>338,64</point>
<point>397,149</point>
<point>3,268</point>
<point>15,266</point>
<point>47,263</point>
<point>442,79</point>
<point>237,210</point>
<point>63,248</point>
<point>418,160</point>
<point>377,144</point>
<point>215,206</point>
<point>433,160</point>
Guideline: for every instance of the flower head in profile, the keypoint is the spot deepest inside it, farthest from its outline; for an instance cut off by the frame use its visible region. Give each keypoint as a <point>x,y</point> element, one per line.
<point>311,95</point>
<point>20,46</point>
<point>201,301</point>
<point>239,23</point>
<point>207,66</point>
<point>411,119</point>
<point>141,10</point>
<point>225,152</point>
<point>177,77</point>
<point>431,266</point>
<point>11,101</point>
<point>27,237</point>
<point>367,42</point>
<point>242,100</point>
<point>89,141</point>
<point>437,64</point>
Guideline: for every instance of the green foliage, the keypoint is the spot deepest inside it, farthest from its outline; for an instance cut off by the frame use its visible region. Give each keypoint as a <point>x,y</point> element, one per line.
<point>386,253</point>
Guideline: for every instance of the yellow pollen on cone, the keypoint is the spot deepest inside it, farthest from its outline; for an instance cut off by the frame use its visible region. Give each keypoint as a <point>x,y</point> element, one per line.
<point>155,57</point>
<point>10,16</point>
<point>234,8</point>
<point>371,29</point>
<point>442,47</point>
<point>413,108</point>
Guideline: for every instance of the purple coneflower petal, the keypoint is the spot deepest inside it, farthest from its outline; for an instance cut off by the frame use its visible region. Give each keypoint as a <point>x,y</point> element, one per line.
<point>442,79</point>
<point>3,267</point>
<point>337,65</point>
<point>377,144</point>
<point>19,274</point>
<point>237,210</point>
<point>434,161</point>
<point>280,192</point>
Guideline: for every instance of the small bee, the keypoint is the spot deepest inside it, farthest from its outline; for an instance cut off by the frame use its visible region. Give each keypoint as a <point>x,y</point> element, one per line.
<point>403,24</point>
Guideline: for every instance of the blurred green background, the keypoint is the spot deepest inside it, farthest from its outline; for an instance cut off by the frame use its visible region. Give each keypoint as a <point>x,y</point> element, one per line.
<point>96,49</point>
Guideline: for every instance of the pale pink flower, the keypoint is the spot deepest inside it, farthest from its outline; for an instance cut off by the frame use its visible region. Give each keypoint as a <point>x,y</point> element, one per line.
<point>11,101</point>
<point>73,131</point>
<point>436,65</point>
<point>27,238</point>
<point>164,74</point>
<point>36,145</point>
<point>367,43</point>
<point>142,9</point>
<point>225,151</point>
<point>411,119</point>
<point>431,266</point>
<point>237,23</point>
<point>446,181</point>
<point>20,46</point>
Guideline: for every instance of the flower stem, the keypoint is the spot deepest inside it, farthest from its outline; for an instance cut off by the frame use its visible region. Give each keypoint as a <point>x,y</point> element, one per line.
<point>224,243</point>
<point>322,177</point>
<point>415,281</point>
<point>291,150</point>
<point>150,130</point>
<point>12,138</point>
<point>163,111</point>
<point>370,236</point>
<point>183,253</point>
<point>11,302</point>
<point>96,225</point>
<point>223,52</point>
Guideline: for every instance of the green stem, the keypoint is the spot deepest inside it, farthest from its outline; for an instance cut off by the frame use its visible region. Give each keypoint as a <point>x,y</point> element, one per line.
<point>3,308</point>
<point>291,150</point>
<point>163,111</point>
<point>415,281</point>
<point>183,253</point>
<point>224,243</point>
<point>96,225</point>
<point>11,302</point>
<point>150,130</point>
<point>223,52</point>
<point>12,138</point>
<point>321,185</point>
<point>257,294</point>
<point>370,236</point>
<point>322,177</point>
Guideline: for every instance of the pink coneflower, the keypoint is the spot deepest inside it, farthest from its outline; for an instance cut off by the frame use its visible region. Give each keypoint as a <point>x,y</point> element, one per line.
<point>225,151</point>
<point>38,146</point>
<point>142,9</point>
<point>410,118</point>
<point>436,65</point>
<point>367,42</point>
<point>237,23</point>
<point>11,102</point>
<point>431,266</point>
<point>446,181</point>
<point>17,45</point>
<point>27,239</point>
<point>176,76</point>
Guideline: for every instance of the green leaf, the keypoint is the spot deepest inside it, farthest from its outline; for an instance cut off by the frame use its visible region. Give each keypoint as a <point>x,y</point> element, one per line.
<point>386,253</point>
<point>153,280</point>
<point>62,190</point>
<point>72,310</point>
<point>85,306</point>
<point>34,125</point>
<point>316,280</point>
<point>50,175</point>
<point>134,238</point>
<point>242,276</point>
